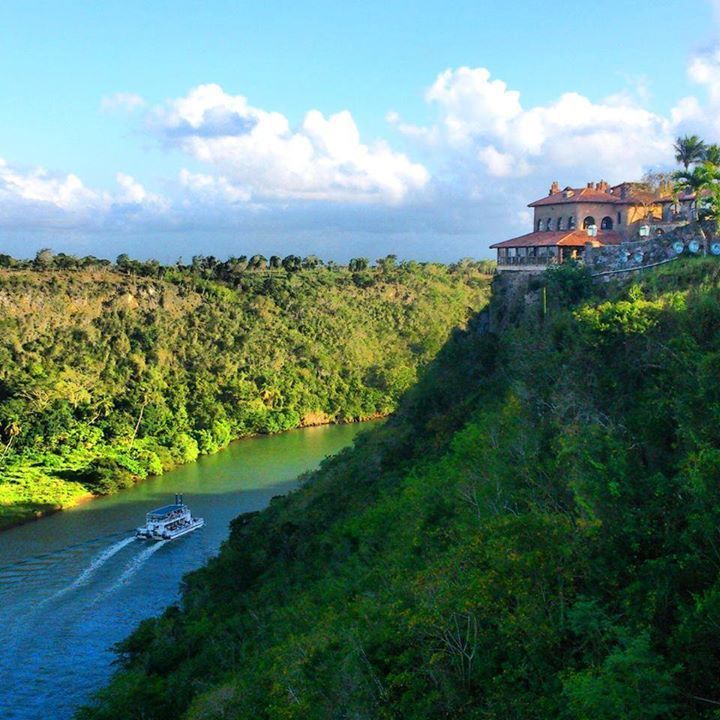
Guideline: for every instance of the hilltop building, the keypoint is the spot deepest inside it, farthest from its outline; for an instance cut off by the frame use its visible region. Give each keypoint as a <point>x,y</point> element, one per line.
<point>568,220</point>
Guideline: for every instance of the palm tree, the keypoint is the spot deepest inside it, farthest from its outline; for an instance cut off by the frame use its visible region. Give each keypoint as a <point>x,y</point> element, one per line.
<point>688,150</point>
<point>712,154</point>
<point>704,182</point>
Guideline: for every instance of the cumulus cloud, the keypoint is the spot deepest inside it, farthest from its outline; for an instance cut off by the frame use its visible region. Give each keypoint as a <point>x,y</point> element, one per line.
<point>465,176</point>
<point>35,196</point>
<point>571,134</point>
<point>702,116</point>
<point>38,186</point>
<point>260,155</point>
<point>127,102</point>
<point>210,189</point>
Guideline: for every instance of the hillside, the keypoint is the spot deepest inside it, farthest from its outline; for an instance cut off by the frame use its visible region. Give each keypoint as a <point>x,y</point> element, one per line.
<point>109,374</point>
<point>534,534</point>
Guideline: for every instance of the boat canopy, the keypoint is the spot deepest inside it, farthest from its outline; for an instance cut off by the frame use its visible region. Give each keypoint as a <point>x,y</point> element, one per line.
<point>165,510</point>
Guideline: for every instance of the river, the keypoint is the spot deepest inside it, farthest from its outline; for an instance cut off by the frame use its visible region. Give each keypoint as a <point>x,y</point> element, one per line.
<point>75,583</point>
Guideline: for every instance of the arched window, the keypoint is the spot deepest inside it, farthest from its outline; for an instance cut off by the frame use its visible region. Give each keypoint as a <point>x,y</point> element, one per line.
<point>588,221</point>
<point>559,224</point>
<point>606,224</point>
<point>548,224</point>
<point>539,225</point>
<point>571,223</point>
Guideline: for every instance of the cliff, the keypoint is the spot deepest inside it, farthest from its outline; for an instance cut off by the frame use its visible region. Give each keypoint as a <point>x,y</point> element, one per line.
<point>107,376</point>
<point>531,535</point>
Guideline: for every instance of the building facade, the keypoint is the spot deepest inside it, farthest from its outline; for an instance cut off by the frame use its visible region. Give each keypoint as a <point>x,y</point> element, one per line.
<point>568,220</point>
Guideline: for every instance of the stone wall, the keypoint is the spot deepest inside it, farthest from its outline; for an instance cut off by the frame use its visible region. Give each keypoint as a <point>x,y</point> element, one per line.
<point>630,256</point>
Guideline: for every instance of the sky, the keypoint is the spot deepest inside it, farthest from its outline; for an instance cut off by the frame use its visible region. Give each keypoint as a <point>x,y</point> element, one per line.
<point>421,129</point>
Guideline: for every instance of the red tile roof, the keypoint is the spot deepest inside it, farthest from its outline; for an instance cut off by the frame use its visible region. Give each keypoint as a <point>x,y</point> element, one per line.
<point>578,195</point>
<point>594,195</point>
<point>564,238</point>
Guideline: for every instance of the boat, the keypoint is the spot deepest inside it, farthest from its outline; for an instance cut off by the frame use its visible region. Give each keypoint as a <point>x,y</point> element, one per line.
<point>169,522</point>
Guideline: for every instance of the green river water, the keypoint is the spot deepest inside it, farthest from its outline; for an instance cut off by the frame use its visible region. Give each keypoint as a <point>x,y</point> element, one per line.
<point>76,582</point>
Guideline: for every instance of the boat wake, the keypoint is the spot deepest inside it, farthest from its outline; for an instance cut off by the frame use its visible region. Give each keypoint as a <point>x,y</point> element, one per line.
<point>135,564</point>
<point>95,564</point>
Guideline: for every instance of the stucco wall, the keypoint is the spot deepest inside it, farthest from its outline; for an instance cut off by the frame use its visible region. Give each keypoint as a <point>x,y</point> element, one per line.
<point>577,211</point>
<point>631,216</point>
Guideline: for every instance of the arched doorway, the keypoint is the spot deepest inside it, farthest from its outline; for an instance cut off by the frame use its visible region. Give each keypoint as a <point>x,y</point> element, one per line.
<point>606,224</point>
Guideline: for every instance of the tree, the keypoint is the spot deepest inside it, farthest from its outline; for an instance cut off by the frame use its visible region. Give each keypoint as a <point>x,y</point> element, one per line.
<point>712,154</point>
<point>704,182</point>
<point>358,264</point>
<point>387,263</point>
<point>688,150</point>
<point>257,262</point>
<point>275,262</point>
<point>292,263</point>
<point>311,262</point>
<point>44,259</point>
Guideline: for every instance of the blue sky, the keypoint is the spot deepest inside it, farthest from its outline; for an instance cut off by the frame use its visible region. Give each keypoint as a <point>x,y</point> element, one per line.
<point>329,128</point>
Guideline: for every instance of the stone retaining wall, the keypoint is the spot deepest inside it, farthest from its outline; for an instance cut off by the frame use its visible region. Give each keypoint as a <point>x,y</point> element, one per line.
<point>637,255</point>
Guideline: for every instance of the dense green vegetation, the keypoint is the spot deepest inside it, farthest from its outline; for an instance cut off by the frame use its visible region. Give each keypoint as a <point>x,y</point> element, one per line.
<point>109,373</point>
<point>534,534</point>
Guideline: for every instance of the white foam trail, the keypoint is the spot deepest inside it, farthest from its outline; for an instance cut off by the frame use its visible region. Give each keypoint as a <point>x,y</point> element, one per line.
<point>100,560</point>
<point>95,564</point>
<point>136,563</point>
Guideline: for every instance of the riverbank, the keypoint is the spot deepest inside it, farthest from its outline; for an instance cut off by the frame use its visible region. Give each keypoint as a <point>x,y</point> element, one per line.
<point>107,378</point>
<point>32,481</point>
<point>82,578</point>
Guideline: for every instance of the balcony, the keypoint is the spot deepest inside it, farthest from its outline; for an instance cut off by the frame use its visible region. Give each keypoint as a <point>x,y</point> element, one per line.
<point>529,263</point>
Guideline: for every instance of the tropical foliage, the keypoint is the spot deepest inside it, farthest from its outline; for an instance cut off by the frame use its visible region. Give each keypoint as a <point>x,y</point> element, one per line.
<point>534,534</point>
<point>112,373</point>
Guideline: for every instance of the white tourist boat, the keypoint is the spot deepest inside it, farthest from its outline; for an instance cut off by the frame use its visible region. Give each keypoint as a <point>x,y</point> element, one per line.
<point>169,522</point>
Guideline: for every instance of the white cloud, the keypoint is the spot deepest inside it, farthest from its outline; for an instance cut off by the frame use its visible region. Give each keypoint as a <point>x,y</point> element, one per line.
<point>260,154</point>
<point>34,196</point>
<point>692,114</point>
<point>133,193</point>
<point>465,176</point>
<point>473,104</point>
<point>569,135</point>
<point>209,189</point>
<point>497,163</point>
<point>127,102</point>
<point>65,192</point>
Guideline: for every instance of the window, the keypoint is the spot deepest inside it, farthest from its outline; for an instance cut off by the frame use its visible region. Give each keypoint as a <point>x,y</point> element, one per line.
<point>548,224</point>
<point>618,218</point>
<point>606,224</point>
<point>539,225</point>
<point>588,221</point>
<point>571,223</point>
<point>559,225</point>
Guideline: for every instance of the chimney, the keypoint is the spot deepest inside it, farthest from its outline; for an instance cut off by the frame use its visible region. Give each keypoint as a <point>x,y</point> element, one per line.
<point>554,188</point>
<point>590,186</point>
